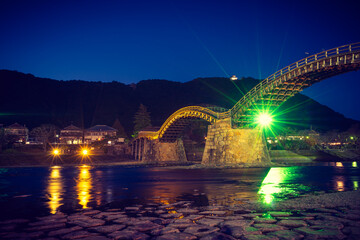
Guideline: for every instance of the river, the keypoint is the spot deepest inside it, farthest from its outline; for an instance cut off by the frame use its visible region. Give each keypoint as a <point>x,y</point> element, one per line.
<point>33,191</point>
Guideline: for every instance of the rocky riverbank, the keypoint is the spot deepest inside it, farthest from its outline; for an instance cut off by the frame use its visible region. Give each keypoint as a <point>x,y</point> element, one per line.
<point>324,216</point>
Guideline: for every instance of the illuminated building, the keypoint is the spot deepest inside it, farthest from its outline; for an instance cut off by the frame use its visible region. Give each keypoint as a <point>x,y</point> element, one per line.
<point>19,132</point>
<point>98,133</point>
<point>71,135</point>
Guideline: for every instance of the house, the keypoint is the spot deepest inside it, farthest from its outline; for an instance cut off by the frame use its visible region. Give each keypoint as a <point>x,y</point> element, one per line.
<point>19,132</point>
<point>98,133</point>
<point>72,135</point>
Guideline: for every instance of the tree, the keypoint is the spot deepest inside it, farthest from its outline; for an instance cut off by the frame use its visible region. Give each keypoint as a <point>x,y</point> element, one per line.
<point>44,133</point>
<point>142,119</point>
<point>120,131</point>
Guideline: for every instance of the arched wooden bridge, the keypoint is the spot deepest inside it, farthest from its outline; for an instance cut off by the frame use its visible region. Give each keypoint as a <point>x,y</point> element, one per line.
<point>269,93</point>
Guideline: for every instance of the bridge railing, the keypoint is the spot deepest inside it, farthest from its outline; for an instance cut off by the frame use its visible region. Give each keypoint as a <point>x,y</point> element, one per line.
<point>355,47</point>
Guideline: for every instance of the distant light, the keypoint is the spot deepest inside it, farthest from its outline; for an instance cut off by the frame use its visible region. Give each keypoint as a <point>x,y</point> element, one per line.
<point>109,142</point>
<point>352,138</point>
<point>85,152</point>
<point>264,119</point>
<point>233,78</point>
<point>56,152</point>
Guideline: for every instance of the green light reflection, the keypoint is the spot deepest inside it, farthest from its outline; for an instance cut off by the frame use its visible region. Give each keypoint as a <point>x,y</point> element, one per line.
<point>354,164</point>
<point>279,184</point>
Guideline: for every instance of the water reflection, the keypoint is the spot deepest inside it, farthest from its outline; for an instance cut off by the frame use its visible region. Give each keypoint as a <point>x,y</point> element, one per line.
<point>339,183</point>
<point>281,183</point>
<point>356,185</point>
<point>55,189</point>
<point>339,164</point>
<point>84,186</point>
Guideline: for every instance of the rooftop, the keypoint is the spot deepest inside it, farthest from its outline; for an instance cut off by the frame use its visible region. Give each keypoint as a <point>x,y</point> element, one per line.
<point>101,128</point>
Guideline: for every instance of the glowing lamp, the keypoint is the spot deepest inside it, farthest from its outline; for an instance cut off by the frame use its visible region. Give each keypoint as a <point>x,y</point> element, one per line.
<point>264,119</point>
<point>56,152</point>
<point>85,152</point>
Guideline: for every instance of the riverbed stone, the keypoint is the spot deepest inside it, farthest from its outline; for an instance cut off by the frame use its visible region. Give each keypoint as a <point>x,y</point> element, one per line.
<point>181,225</point>
<point>237,223</point>
<point>8,227</point>
<point>90,212</point>
<point>201,230</point>
<point>251,215</point>
<point>78,234</point>
<point>187,210</point>
<point>287,234</point>
<point>213,212</point>
<point>128,234</point>
<point>132,209</point>
<point>217,236</point>
<point>46,227</point>
<point>194,217</point>
<point>292,223</point>
<point>264,220</point>
<point>280,214</point>
<point>239,231</point>
<point>95,238</point>
<point>87,222</point>
<point>144,227</point>
<point>336,225</point>
<point>171,215</point>
<point>122,220</point>
<point>163,231</point>
<point>47,222</point>
<point>64,231</point>
<point>321,233</point>
<point>210,222</point>
<point>259,237</point>
<point>16,221</point>
<point>177,236</point>
<point>265,228</point>
<point>108,228</point>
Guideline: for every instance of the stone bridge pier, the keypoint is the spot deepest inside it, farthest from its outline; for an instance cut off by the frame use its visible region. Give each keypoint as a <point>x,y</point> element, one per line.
<point>155,151</point>
<point>228,146</point>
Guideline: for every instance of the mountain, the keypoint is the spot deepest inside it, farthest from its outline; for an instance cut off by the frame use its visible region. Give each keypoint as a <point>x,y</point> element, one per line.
<point>30,100</point>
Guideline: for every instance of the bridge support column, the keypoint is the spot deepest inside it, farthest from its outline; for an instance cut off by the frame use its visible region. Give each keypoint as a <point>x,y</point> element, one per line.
<point>227,146</point>
<point>155,151</point>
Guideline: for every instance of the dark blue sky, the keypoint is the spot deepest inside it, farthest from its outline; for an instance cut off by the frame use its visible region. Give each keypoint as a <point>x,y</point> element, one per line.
<point>130,41</point>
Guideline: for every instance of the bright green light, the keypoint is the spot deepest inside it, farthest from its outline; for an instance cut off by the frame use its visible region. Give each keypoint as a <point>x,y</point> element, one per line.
<point>264,119</point>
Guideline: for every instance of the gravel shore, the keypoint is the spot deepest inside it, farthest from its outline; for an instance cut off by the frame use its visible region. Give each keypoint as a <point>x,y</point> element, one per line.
<point>322,216</point>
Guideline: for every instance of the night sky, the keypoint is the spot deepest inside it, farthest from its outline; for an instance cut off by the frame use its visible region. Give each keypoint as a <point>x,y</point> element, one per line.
<point>130,41</point>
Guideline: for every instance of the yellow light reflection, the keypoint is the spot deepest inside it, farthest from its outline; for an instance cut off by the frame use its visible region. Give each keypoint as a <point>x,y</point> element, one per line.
<point>354,164</point>
<point>340,186</point>
<point>84,185</point>
<point>339,164</point>
<point>55,189</point>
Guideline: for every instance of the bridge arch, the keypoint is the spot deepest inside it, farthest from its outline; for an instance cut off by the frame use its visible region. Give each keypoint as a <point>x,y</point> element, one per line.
<point>285,83</point>
<point>175,123</point>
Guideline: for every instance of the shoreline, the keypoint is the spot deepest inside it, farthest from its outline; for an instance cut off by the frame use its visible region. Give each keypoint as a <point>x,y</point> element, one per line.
<point>279,158</point>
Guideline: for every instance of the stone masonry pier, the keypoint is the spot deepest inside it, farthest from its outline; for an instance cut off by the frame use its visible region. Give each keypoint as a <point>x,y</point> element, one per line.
<point>155,151</point>
<point>228,146</point>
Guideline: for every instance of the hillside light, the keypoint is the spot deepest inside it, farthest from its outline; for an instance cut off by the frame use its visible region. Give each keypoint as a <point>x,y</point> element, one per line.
<point>264,119</point>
